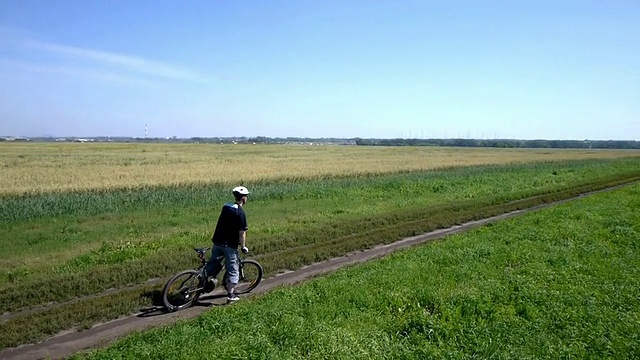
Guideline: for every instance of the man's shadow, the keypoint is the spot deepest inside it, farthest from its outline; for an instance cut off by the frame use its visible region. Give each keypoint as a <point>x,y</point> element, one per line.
<point>158,308</point>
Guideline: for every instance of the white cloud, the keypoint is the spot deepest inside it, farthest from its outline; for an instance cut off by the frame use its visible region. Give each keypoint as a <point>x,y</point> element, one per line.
<point>8,67</point>
<point>126,62</point>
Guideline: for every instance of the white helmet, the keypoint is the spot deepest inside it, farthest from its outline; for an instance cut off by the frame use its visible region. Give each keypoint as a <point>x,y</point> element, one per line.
<point>241,190</point>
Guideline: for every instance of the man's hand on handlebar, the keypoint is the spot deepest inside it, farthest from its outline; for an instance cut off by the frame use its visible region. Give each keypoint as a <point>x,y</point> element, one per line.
<point>245,250</point>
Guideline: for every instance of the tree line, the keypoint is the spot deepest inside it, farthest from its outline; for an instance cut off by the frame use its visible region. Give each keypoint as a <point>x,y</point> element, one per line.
<point>505,143</point>
<point>495,143</point>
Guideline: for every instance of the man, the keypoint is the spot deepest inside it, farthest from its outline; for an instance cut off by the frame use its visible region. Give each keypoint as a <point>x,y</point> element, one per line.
<point>230,233</point>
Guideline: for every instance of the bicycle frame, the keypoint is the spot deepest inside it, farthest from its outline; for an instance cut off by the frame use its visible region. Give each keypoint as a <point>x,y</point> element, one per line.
<point>203,262</point>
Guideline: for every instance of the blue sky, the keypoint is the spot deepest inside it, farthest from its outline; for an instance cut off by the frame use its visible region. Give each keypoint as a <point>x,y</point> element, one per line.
<point>379,69</point>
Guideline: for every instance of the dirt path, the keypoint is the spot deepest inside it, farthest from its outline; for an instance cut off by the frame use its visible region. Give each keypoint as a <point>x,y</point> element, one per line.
<point>72,341</point>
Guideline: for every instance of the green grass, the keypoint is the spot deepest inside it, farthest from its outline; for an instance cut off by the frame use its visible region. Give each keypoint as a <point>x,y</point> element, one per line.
<point>87,254</point>
<point>559,283</point>
<point>55,223</point>
<point>57,257</point>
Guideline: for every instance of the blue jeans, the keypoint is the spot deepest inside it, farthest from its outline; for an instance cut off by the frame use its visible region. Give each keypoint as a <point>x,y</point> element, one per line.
<point>231,263</point>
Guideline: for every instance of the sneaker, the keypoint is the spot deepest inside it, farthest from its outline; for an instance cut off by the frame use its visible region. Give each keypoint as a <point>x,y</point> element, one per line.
<point>232,298</point>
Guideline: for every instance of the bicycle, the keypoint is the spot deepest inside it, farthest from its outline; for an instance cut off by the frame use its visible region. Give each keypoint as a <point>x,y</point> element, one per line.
<point>184,288</point>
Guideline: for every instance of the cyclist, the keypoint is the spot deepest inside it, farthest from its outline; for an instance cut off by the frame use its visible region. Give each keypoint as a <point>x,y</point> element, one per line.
<point>230,233</point>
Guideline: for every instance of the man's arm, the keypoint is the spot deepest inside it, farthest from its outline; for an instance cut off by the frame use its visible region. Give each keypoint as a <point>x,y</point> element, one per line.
<point>243,238</point>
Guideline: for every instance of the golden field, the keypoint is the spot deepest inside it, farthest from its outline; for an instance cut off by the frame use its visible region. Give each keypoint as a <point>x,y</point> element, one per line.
<point>31,168</point>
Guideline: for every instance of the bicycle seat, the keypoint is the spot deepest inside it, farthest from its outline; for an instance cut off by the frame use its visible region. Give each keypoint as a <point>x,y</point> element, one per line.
<point>201,251</point>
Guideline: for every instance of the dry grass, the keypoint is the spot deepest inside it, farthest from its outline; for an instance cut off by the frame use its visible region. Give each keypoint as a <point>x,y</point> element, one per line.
<point>29,168</point>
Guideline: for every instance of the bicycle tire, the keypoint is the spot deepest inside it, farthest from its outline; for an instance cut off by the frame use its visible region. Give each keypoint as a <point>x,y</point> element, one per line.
<point>185,294</point>
<point>250,276</point>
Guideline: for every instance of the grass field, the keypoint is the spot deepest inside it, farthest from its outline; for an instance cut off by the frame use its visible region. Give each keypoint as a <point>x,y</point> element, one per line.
<point>43,168</point>
<point>77,257</point>
<point>560,283</point>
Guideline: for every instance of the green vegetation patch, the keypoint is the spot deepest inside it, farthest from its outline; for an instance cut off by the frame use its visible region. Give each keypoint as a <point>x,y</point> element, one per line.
<point>63,257</point>
<point>559,283</point>
<point>291,225</point>
<point>467,181</point>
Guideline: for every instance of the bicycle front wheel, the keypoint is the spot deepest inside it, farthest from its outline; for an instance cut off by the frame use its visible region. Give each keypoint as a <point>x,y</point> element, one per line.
<point>250,276</point>
<point>182,290</point>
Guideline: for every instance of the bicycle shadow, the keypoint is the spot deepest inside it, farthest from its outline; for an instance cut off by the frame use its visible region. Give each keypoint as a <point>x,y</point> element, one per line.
<point>157,308</point>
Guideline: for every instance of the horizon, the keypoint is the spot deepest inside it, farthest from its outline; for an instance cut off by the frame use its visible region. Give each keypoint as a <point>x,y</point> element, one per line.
<point>393,70</point>
<point>91,138</point>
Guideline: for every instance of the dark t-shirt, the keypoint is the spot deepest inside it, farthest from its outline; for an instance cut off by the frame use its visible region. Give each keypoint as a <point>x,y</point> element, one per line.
<point>230,222</point>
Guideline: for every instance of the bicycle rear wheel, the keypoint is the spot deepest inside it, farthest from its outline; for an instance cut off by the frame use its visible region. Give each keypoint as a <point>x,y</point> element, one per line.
<point>182,290</point>
<point>250,276</point>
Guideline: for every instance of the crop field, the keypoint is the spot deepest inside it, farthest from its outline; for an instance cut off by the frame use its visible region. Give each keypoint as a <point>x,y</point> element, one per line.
<point>560,283</point>
<point>89,232</point>
<point>42,168</point>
